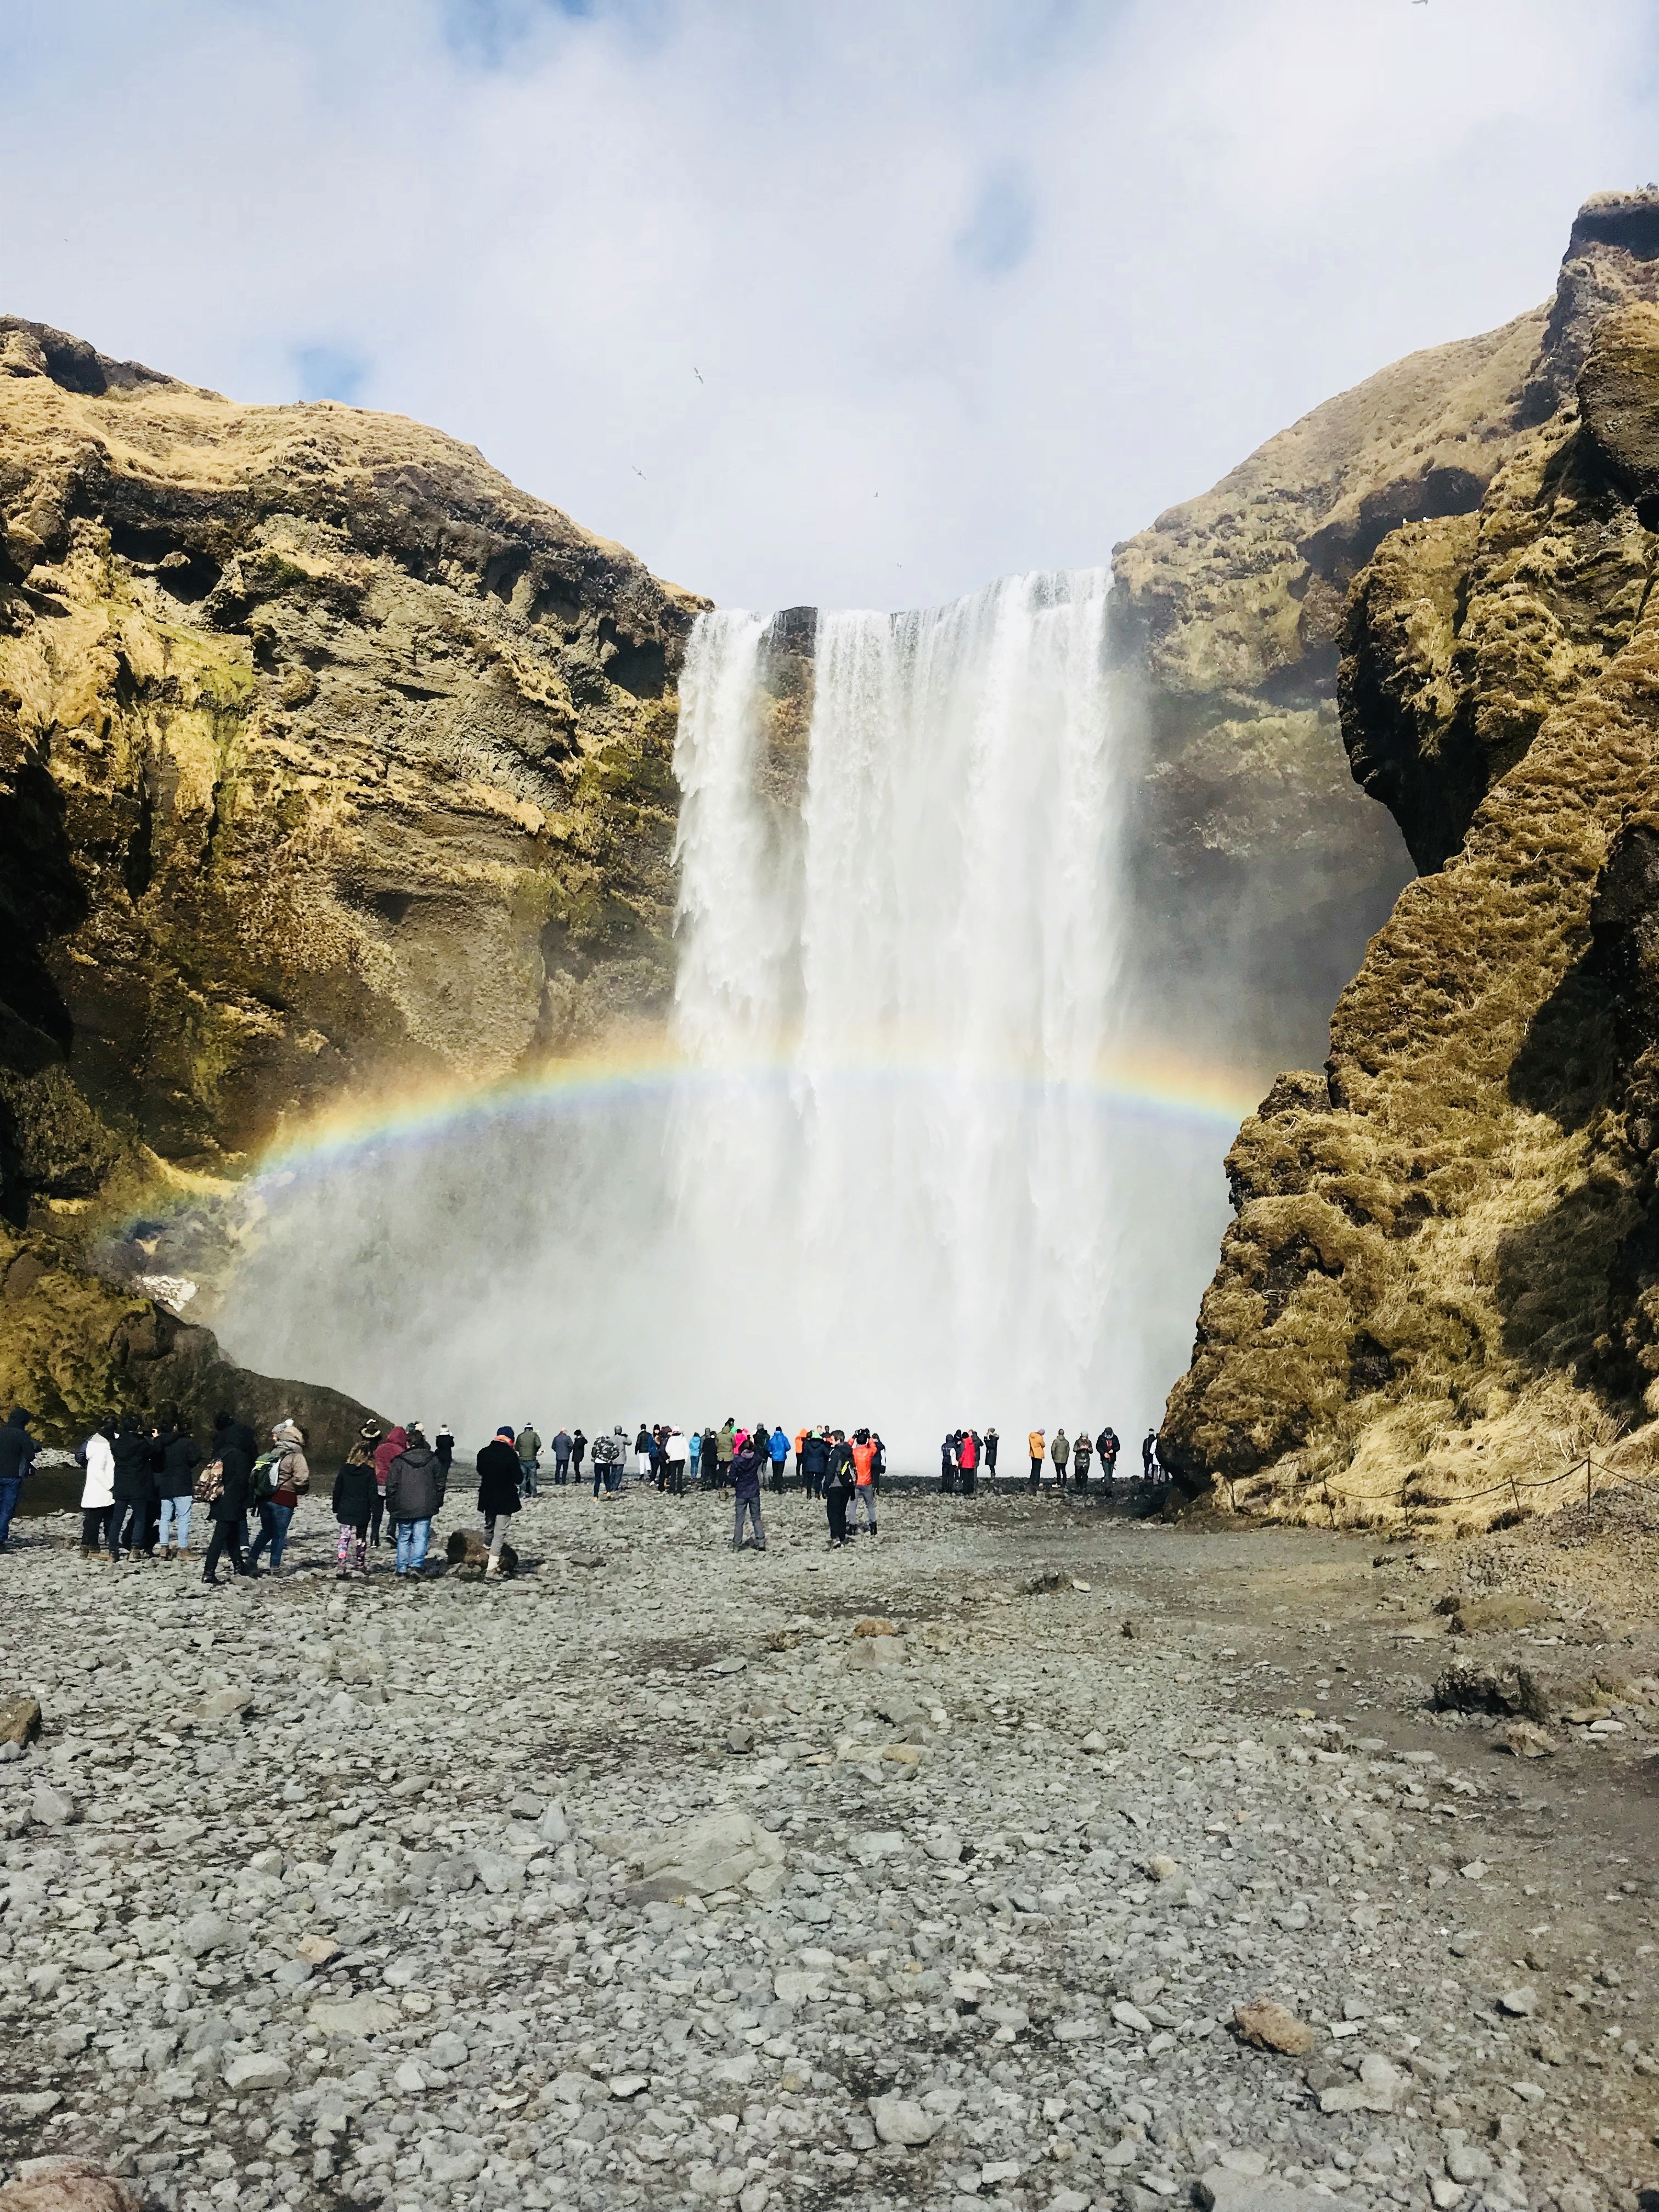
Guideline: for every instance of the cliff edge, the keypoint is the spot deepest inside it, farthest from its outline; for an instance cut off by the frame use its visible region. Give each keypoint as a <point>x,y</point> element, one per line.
<point>1441,1291</point>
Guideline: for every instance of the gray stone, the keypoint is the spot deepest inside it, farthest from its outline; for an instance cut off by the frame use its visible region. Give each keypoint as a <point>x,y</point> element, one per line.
<point>900,2121</point>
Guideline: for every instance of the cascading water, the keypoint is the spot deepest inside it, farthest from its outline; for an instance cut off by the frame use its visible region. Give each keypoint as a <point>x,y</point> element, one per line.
<point>893,1179</point>
<point>903,997</point>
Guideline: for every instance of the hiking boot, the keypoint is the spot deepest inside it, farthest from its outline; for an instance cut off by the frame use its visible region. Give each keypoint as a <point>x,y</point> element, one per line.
<point>492,1566</point>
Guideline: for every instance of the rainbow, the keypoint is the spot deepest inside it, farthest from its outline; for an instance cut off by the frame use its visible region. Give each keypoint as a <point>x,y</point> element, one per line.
<point>1148,1084</point>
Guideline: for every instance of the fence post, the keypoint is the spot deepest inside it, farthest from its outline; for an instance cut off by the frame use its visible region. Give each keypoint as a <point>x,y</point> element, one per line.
<point>1586,1478</point>
<point>1514,1494</point>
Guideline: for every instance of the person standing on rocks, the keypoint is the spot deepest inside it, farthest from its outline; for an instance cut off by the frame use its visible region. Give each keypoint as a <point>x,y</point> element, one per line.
<point>992,1440</point>
<point>444,1444</point>
<point>136,1456</point>
<point>947,1464</point>
<point>726,1446</point>
<point>837,1487</point>
<point>562,1447</point>
<point>645,1454</point>
<point>578,1450</point>
<point>746,1490</point>
<point>97,1492</point>
<point>1037,1444</point>
<point>778,1451</point>
<point>1060,1451</point>
<point>1107,1445</point>
<point>17,1450</point>
<point>1148,1452</point>
<point>498,1490</point>
<point>800,1438</point>
<point>528,1446</point>
<point>1082,1452</point>
<point>677,1451</point>
<point>415,1490</point>
<point>386,1451</point>
<point>864,1479</point>
<point>181,1456</point>
<point>814,1461</point>
<point>228,1502</point>
<point>968,1462</point>
<point>282,1477</point>
<point>355,1495</point>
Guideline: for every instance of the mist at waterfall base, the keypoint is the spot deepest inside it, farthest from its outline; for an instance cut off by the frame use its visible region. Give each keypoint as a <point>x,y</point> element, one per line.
<point>886,1175</point>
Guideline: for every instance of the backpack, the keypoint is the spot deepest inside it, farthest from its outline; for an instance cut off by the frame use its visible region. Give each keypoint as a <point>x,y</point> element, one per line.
<point>209,1483</point>
<point>266,1475</point>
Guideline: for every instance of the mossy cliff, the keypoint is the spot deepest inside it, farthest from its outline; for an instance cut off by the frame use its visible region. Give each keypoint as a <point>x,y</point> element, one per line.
<point>326,758</point>
<point>1442,1282</point>
<point>1262,867</point>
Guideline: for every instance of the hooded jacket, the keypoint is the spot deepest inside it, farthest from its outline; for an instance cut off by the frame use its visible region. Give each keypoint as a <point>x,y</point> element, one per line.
<point>290,1474</point>
<point>233,1447</point>
<point>746,1470</point>
<point>726,1443</point>
<point>180,1457</point>
<point>354,1492</point>
<point>815,1459</point>
<point>387,1450</point>
<point>17,1447</point>
<point>98,1491</point>
<point>498,1478</point>
<point>779,1448</point>
<point>135,1467</point>
<point>840,1473</point>
<point>415,1483</point>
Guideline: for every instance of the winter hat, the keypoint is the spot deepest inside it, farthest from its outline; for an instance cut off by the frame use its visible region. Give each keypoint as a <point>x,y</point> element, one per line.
<point>370,1431</point>
<point>505,1432</point>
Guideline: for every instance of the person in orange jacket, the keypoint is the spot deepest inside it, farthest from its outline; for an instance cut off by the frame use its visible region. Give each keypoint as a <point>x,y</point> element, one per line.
<point>1037,1444</point>
<point>800,1445</point>
<point>864,1491</point>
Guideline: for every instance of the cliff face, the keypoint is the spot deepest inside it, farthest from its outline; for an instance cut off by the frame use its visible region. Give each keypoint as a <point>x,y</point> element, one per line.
<point>1442,1282</point>
<point>1262,869</point>
<point>325,754</point>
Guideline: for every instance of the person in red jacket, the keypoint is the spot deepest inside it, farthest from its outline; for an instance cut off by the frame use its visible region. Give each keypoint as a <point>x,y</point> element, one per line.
<point>968,1462</point>
<point>389,1448</point>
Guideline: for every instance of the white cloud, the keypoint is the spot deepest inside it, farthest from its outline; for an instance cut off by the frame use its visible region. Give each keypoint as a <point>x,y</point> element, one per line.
<point>971,287</point>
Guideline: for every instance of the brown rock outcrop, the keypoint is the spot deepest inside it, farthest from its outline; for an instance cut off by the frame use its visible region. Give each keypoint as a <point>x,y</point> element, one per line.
<point>1262,870</point>
<point>1436,1295</point>
<point>326,757</point>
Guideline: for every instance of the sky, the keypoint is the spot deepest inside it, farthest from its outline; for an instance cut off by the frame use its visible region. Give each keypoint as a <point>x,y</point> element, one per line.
<point>858,304</point>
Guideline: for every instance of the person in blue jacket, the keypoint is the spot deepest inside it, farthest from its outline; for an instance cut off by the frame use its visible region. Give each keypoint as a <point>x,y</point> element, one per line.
<point>778,1451</point>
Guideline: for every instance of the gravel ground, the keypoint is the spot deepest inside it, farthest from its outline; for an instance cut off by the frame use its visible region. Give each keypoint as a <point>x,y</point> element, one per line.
<point>653,1881</point>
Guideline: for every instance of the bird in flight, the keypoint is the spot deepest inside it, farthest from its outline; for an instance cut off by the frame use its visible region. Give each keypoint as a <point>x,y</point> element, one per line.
<point>696,372</point>
<point>640,473</point>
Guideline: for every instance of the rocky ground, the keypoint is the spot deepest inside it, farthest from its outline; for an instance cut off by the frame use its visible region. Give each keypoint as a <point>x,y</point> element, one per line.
<point>647,1878</point>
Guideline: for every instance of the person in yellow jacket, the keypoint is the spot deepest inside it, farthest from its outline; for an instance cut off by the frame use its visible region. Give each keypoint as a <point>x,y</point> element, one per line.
<point>1037,1444</point>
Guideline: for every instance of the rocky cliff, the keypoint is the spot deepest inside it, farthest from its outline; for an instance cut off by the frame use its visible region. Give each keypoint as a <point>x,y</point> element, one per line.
<point>326,758</point>
<point>1442,1281</point>
<point>1262,868</point>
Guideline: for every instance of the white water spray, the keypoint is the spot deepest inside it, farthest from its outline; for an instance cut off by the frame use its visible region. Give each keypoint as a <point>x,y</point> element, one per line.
<point>908,992</point>
<point>891,1186</point>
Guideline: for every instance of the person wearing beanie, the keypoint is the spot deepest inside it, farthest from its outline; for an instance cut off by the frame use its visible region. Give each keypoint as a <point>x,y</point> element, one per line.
<point>415,1488</point>
<point>355,1496</point>
<point>498,1490</point>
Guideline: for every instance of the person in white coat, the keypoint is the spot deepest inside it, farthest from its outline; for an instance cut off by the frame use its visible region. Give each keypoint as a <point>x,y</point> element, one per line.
<point>97,1492</point>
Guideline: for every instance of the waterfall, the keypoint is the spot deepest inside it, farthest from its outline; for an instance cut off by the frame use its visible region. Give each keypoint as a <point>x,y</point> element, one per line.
<point>897,983</point>
<point>897,1169</point>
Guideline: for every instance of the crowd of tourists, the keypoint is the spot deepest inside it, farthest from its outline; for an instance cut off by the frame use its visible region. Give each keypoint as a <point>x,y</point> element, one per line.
<point>145,1482</point>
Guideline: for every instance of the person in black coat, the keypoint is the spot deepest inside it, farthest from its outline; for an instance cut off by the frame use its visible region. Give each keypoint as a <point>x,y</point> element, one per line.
<point>137,1457</point>
<point>355,1494</point>
<point>228,1510</point>
<point>17,1451</point>
<point>498,1493</point>
<point>176,1482</point>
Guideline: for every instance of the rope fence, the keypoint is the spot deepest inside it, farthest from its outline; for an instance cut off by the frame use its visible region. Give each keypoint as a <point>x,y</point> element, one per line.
<point>1586,1466</point>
